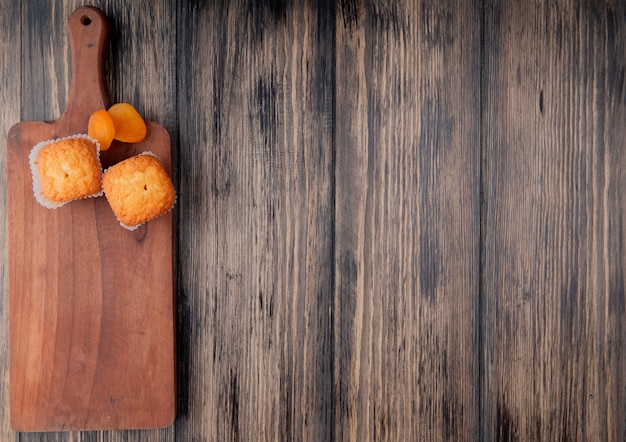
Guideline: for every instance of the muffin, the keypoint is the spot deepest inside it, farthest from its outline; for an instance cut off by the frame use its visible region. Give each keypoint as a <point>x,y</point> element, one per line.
<point>66,169</point>
<point>138,189</point>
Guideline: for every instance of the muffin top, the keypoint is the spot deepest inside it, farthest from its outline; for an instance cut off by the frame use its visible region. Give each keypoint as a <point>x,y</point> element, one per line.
<point>65,170</point>
<point>138,189</point>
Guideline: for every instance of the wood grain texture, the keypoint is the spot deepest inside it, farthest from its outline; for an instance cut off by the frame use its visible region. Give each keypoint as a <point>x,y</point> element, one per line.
<point>85,337</point>
<point>407,226</point>
<point>256,127</point>
<point>395,220</point>
<point>553,222</point>
<point>46,82</point>
<point>10,75</point>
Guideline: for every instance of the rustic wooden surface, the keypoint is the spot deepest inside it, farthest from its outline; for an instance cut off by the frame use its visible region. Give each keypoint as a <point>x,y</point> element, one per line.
<point>406,221</point>
<point>553,293</point>
<point>396,220</point>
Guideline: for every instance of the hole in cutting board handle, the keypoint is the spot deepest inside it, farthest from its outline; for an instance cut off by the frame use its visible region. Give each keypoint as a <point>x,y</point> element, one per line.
<point>88,32</point>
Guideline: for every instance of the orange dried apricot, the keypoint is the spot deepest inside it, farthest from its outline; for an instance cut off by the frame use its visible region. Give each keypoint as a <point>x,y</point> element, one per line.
<point>129,125</point>
<point>101,128</point>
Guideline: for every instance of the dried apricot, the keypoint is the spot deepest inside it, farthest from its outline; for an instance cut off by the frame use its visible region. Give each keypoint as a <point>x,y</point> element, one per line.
<point>129,125</point>
<point>101,128</point>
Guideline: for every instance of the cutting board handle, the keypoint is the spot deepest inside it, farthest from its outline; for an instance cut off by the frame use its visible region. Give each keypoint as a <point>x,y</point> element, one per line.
<point>89,35</point>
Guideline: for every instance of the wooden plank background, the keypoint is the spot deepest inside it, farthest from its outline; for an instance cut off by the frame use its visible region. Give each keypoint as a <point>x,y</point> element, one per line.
<point>397,220</point>
<point>406,221</point>
<point>553,224</point>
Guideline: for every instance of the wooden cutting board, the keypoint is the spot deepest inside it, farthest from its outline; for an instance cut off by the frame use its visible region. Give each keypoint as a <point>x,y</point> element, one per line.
<point>91,308</point>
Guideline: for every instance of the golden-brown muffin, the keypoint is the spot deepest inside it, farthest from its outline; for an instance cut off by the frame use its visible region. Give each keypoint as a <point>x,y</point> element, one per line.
<point>66,169</point>
<point>138,190</point>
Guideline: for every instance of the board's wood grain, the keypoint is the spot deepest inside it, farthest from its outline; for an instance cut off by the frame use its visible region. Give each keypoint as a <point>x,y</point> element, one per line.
<point>141,70</point>
<point>92,336</point>
<point>554,113</point>
<point>140,74</point>
<point>407,226</point>
<point>255,118</point>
